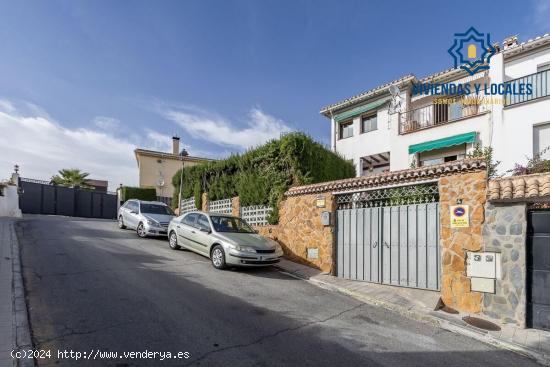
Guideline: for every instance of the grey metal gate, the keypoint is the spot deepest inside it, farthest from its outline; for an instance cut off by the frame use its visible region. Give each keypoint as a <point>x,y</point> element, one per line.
<point>538,270</point>
<point>41,197</point>
<point>390,244</point>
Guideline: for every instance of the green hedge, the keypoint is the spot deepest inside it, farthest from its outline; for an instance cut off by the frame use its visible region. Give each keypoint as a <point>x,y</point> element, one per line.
<point>262,175</point>
<point>141,193</point>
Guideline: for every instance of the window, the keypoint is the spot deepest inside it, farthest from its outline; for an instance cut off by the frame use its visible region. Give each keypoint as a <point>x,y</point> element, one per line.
<point>369,123</point>
<point>230,224</point>
<point>346,129</point>
<point>132,206</point>
<point>156,209</point>
<point>541,140</point>
<point>443,155</point>
<point>202,223</point>
<point>190,219</point>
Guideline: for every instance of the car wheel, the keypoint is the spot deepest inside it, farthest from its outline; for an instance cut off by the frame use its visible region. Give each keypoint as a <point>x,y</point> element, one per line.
<point>121,223</point>
<point>140,230</point>
<point>218,257</point>
<point>173,240</point>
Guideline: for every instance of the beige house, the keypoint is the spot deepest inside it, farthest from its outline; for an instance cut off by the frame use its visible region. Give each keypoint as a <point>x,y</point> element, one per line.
<point>156,169</point>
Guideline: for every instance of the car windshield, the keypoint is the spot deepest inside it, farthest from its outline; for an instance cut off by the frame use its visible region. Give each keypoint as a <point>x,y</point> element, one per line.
<point>156,209</point>
<point>230,224</point>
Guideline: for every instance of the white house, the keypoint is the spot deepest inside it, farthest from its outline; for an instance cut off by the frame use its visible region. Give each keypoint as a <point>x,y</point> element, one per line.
<point>431,128</point>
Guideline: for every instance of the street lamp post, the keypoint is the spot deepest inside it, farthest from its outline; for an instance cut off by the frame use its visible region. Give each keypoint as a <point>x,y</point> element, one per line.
<point>181,184</point>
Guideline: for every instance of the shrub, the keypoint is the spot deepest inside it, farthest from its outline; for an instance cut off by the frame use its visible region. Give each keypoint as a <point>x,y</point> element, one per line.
<point>262,175</point>
<point>534,165</point>
<point>140,193</point>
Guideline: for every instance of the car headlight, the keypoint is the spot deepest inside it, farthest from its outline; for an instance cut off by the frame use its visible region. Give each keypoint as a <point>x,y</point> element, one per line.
<point>153,222</point>
<point>245,249</point>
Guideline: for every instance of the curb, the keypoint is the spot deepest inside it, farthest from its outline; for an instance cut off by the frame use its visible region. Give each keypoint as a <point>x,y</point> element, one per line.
<point>20,316</point>
<point>430,318</point>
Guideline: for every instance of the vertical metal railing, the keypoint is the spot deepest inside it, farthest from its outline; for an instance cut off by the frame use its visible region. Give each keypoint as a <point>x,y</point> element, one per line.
<point>540,83</point>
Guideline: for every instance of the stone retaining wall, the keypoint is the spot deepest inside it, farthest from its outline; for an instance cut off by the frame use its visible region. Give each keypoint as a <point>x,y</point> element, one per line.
<point>505,232</point>
<point>470,189</point>
<point>300,228</point>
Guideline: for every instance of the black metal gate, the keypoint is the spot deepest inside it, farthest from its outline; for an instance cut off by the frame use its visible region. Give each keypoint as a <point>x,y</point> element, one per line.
<point>538,270</point>
<point>41,197</point>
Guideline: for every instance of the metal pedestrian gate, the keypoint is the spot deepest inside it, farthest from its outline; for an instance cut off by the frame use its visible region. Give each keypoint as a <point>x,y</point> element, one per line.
<point>538,270</point>
<point>380,242</point>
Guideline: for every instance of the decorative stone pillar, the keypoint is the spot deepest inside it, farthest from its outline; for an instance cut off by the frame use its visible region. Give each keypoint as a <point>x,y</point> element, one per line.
<point>236,206</point>
<point>204,200</point>
<point>470,189</point>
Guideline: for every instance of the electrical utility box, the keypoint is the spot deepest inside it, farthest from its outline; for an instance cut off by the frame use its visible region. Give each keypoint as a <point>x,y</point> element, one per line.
<point>325,218</point>
<point>483,265</point>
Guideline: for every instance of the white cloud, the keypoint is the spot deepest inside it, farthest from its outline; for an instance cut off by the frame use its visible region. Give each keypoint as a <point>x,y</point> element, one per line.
<point>260,127</point>
<point>106,123</point>
<point>41,147</point>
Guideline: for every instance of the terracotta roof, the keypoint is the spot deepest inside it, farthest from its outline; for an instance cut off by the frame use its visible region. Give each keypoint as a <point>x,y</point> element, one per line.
<point>366,95</point>
<point>394,178</point>
<point>527,45</point>
<point>447,74</point>
<point>519,187</point>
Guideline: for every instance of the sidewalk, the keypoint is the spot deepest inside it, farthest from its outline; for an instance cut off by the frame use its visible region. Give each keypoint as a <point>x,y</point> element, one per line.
<point>420,305</point>
<point>14,326</point>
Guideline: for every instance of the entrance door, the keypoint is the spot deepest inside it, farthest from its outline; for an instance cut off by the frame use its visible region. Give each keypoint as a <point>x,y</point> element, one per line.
<point>538,270</point>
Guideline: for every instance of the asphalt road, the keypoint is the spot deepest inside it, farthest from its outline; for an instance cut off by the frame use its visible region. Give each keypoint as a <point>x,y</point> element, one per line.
<point>92,287</point>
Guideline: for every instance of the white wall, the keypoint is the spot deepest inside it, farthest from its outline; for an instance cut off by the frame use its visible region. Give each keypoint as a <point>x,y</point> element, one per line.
<point>9,202</point>
<point>361,145</point>
<point>509,130</point>
<point>513,125</point>
<point>400,158</point>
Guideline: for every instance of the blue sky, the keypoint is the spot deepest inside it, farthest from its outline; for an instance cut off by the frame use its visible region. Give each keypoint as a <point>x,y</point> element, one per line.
<point>84,82</point>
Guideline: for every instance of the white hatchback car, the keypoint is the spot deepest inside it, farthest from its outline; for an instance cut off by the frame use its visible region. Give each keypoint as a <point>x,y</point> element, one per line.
<point>148,218</point>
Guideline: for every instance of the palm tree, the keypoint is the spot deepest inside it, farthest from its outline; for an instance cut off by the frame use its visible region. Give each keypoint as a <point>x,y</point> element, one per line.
<point>71,177</point>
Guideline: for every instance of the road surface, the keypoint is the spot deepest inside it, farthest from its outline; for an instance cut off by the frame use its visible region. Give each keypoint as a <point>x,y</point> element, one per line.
<point>94,289</point>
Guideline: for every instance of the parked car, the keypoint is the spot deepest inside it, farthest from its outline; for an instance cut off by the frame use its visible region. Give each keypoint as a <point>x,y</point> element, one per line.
<point>148,218</point>
<point>226,240</point>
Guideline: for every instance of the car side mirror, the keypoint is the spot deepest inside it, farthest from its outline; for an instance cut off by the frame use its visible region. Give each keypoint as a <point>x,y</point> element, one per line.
<point>133,212</point>
<point>205,230</point>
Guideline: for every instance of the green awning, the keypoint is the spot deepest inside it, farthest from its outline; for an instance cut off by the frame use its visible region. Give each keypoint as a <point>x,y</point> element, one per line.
<point>361,109</point>
<point>443,143</point>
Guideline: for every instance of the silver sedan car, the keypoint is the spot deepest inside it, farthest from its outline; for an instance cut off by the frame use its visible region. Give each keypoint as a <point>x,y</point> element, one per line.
<point>148,218</point>
<point>226,240</point>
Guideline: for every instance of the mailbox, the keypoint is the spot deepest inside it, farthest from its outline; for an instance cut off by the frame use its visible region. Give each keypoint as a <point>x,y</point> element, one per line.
<point>483,265</point>
<point>325,218</point>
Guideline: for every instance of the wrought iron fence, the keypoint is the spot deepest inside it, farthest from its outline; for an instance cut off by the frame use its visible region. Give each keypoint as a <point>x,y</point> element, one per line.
<point>540,83</point>
<point>223,206</point>
<point>414,194</point>
<point>187,205</point>
<point>441,111</point>
<point>256,215</point>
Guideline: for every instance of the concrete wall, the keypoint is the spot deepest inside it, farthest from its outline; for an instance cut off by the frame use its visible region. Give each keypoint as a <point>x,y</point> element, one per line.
<point>455,242</point>
<point>504,231</point>
<point>9,202</point>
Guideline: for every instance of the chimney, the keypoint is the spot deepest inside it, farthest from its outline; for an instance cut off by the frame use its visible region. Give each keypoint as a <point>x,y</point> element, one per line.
<point>510,42</point>
<point>175,145</point>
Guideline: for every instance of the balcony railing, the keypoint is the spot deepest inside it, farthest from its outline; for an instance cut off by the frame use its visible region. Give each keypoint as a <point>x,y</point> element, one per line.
<point>540,83</point>
<point>441,111</point>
